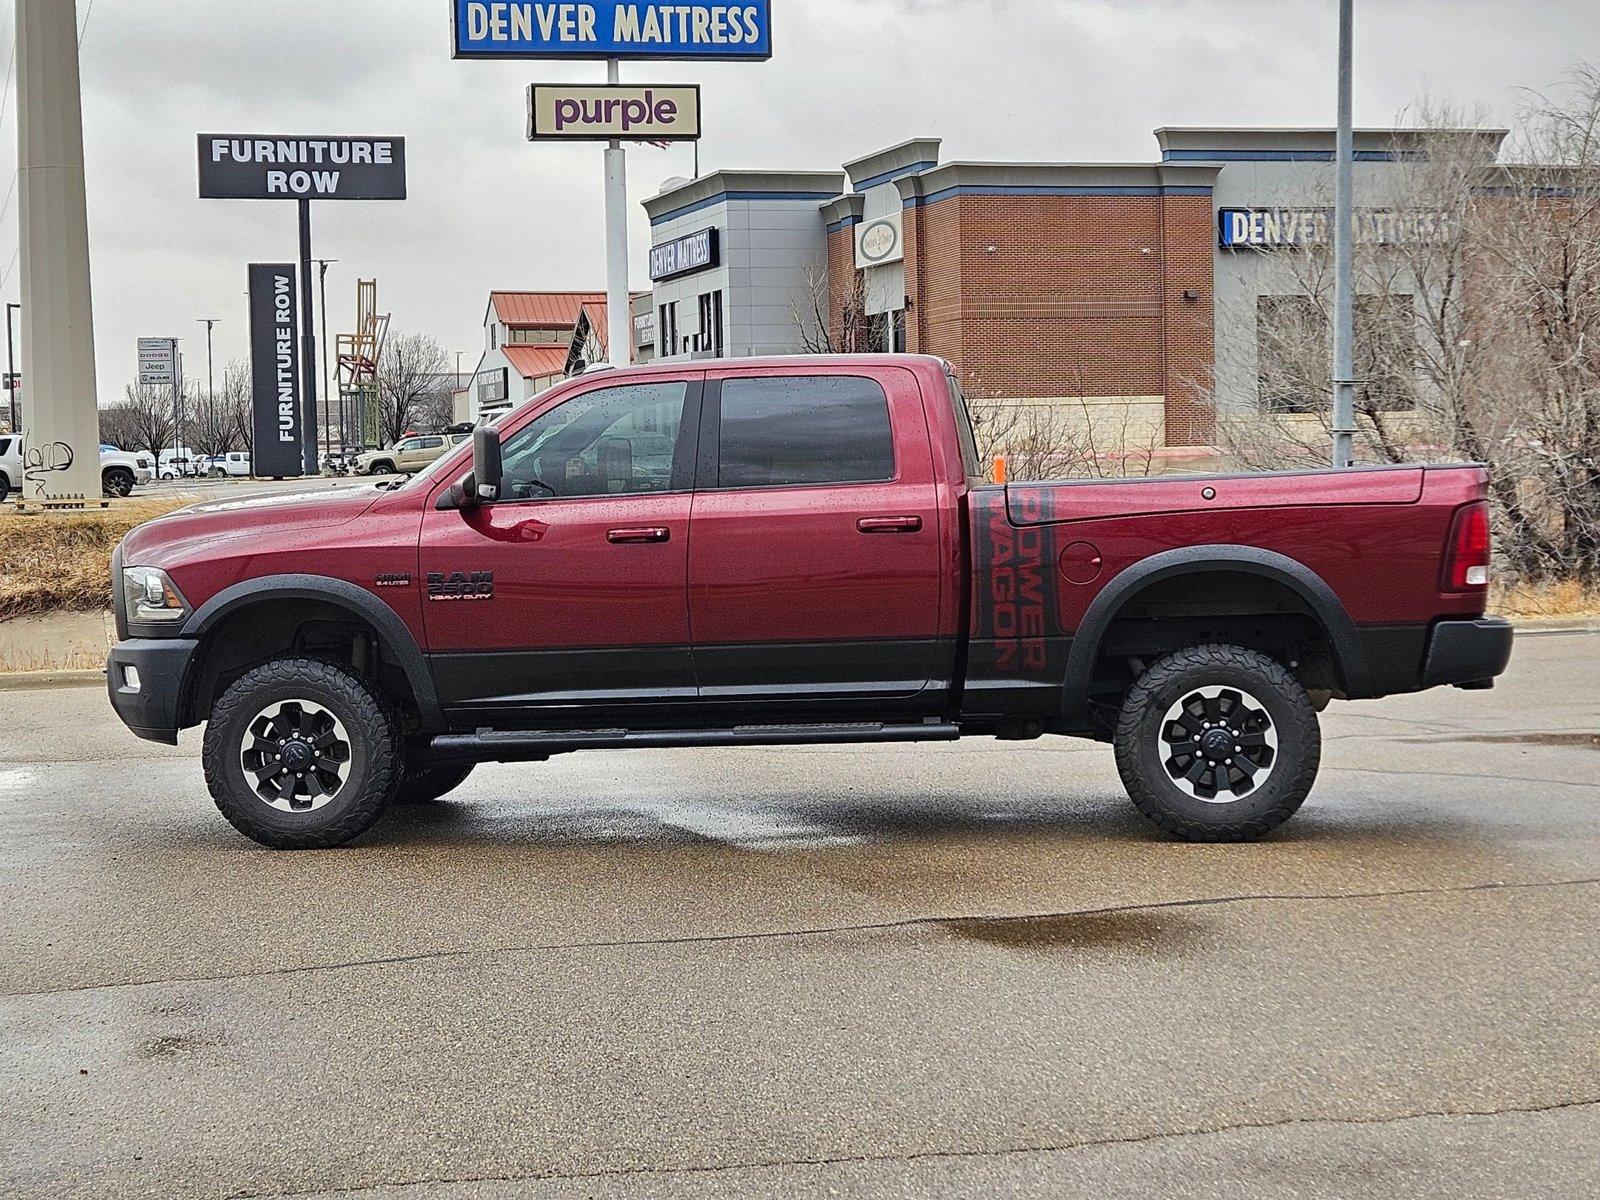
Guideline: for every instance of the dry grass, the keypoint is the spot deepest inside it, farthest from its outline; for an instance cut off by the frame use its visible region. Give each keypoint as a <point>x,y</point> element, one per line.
<point>1568,599</point>
<point>62,560</point>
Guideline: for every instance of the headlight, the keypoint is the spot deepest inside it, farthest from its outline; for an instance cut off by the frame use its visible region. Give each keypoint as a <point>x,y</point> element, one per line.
<point>148,595</point>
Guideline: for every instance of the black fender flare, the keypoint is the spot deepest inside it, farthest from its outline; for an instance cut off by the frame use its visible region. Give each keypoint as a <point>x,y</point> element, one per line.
<point>1349,659</point>
<point>393,635</point>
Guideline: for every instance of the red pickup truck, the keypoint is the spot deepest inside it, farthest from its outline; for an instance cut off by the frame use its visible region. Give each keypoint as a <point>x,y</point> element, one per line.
<point>782,551</point>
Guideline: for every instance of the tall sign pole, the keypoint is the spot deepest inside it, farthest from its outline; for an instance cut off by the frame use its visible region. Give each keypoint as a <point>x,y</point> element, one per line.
<point>308,344</point>
<point>1344,383</point>
<point>61,434</point>
<point>613,30</point>
<point>619,330</point>
<point>300,168</point>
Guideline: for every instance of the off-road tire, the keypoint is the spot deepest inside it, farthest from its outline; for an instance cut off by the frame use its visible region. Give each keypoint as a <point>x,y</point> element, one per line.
<point>374,763</point>
<point>422,783</point>
<point>382,467</point>
<point>1141,762</point>
<point>116,481</point>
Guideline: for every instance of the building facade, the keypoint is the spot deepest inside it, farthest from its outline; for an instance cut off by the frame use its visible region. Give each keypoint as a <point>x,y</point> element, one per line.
<point>1136,293</point>
<point>736,259</point>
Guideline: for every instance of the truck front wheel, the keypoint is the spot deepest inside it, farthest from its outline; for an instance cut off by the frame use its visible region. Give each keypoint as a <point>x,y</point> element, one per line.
<point>1218,744</point>
<point>300,755</point>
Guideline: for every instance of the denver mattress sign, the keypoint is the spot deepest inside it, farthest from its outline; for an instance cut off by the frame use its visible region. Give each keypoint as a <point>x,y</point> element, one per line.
<point>710,29</point>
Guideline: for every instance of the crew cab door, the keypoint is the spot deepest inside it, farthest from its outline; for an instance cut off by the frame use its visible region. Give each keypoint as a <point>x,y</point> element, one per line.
<point>814,547</point>
<point>570,590</point>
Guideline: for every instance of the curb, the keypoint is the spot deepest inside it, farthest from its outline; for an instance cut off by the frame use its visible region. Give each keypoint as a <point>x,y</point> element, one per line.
<point>18,681</point>
<point>1589,624</point>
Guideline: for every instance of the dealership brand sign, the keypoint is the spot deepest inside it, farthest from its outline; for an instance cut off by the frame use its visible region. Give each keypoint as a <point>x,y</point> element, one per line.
<point>600,113</point>
<point>1286,228</point>
<point>274,371</point>
<point>693,252</point>
<point>236,166</point>
<point>158,362</point>
<point>610,29</point>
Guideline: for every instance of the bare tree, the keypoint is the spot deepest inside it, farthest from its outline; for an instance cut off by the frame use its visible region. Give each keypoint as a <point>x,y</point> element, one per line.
<point>151,418</point>
<point>235,402</point>
<point>811,310</point>
<point>209,426</point>
<point>1478,330</point>
<point>412,373</point>
<point>119,426</point>
<point>1063,438</point>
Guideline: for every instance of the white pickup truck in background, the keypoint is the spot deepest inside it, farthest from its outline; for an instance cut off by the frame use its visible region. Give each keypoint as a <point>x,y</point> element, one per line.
<point>119,470</point>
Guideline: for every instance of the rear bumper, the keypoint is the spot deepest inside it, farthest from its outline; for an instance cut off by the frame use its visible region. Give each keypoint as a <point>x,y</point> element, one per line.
<point>144,677</point>
<point>1467,653</point>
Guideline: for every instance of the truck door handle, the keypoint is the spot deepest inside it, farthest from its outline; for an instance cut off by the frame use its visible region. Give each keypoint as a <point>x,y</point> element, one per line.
<point>629,537</point>
<point>889,524</point>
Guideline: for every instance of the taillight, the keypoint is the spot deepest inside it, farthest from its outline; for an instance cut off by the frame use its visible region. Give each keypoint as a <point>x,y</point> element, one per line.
<point>1466,564</point>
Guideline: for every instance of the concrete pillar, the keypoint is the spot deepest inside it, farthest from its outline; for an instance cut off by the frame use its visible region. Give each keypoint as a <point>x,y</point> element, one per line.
<point>61,434</point>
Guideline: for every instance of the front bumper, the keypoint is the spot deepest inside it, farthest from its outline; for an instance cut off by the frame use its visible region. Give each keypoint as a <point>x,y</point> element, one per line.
<point>1467,653</point>
<point>145,677</point>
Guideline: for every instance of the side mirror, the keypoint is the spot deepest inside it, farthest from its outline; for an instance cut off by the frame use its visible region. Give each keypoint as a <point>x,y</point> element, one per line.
<point>486,468</point>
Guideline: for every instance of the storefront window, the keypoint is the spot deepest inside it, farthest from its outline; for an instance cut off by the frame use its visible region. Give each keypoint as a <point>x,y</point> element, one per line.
<point>1293,362</point>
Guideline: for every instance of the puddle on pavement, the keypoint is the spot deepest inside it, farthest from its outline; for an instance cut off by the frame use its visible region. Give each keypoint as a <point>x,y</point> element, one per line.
<point>1571,738</point>
<point>1165,934</point>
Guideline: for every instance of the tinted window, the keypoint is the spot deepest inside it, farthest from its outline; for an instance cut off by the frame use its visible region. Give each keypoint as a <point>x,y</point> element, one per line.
<point>612,442</point>
<point>804,429</point>
<point>429,443</point>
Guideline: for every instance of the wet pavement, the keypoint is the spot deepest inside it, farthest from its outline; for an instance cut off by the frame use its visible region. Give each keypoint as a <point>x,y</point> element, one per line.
<point>960,969</point>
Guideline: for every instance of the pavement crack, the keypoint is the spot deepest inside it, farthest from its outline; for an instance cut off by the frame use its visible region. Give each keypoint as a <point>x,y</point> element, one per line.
<point>1578,783</point>
<point>927,921</point>
<point>847,1160</point>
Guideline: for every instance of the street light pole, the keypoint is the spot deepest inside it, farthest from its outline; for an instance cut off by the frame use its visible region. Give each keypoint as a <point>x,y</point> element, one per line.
<point>327,391</point>
<point>211,390</point>
<point>11,368</point>
<point>1343,270</point>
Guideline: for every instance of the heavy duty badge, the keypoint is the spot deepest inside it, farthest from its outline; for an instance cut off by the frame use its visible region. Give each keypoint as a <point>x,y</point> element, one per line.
<point>461,585</point>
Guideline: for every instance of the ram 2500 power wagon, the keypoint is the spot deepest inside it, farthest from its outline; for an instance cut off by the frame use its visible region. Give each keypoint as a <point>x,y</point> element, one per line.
<point>777,551</point>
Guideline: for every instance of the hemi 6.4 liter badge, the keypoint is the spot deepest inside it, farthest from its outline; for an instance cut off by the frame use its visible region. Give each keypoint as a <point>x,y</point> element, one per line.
<point>461,585</point>
<point>393,579</point>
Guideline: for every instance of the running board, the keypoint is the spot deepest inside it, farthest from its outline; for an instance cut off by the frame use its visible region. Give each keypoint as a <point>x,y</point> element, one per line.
<point>509,744</point>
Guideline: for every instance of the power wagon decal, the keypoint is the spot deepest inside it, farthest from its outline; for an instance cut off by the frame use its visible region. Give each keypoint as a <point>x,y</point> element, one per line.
<point>1016,634</point>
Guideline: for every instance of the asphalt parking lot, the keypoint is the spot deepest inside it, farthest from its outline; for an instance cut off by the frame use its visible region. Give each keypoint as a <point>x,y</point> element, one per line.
<point>925,970</point>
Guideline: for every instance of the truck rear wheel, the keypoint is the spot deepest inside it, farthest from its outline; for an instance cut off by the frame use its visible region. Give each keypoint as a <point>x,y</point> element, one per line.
<point>1217,744</point>
<point>300,755</point>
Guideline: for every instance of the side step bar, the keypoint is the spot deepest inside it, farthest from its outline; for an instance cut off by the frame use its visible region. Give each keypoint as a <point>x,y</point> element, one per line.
<point>509,745</point>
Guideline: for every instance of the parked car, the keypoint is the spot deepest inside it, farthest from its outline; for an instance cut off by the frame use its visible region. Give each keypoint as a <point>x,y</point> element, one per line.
<point>235,463</point>
<point>181,463</point>
<point>788,550</point>
<point>407,456</point>
<point>120,471</point>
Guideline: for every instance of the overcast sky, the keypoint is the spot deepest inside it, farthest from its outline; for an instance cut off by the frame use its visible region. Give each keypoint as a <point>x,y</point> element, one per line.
<point>997,79</point>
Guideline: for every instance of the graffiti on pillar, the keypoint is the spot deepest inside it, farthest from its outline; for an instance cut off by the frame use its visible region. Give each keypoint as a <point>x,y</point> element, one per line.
<point>39,462</point>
